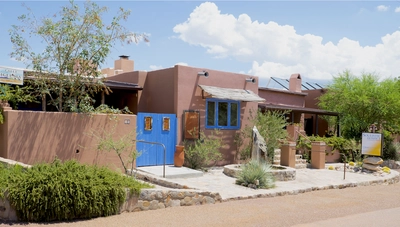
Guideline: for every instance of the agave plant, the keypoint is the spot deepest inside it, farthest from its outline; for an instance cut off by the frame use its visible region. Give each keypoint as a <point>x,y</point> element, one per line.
<point>256,174</point>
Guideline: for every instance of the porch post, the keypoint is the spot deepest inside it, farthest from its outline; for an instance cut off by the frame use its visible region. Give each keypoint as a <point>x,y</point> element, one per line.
<point>103,98</point>
<point>292,117</point>
<point>44,102</point>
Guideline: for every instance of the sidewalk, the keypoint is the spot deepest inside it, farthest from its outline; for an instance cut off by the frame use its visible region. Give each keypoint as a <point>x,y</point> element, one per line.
<point>306,180</point>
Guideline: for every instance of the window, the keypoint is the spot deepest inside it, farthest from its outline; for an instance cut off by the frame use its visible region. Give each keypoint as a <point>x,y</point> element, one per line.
<point>222,114</point>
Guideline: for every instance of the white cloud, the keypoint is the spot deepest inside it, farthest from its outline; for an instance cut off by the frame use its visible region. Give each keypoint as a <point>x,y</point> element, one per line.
<point>382,8</point>
<point>182,63</point>
<point>397,10</point>
<point>155,67</point>
<point>277,50</point>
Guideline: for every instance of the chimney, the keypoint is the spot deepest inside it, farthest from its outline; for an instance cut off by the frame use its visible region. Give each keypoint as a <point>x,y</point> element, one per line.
<point>295,82</point>
<point>123,64</point>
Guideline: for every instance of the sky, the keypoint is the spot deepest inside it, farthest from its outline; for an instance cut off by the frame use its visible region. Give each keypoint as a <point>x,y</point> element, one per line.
<point>318,39</point>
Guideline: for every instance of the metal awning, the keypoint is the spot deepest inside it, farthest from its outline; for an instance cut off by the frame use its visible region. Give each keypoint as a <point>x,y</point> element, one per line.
<point>231,94</point>
<point>297,109</point>
<point>122,85</point>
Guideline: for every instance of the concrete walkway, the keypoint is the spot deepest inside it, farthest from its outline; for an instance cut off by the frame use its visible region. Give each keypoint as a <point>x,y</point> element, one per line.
<point>306,180</point>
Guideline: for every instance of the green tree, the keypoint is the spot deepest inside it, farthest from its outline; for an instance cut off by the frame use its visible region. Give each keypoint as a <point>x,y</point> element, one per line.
<point>362,101</point>
<point>76,43</point>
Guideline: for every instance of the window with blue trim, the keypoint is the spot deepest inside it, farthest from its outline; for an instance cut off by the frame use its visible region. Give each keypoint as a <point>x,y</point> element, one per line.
<point>222,114</point>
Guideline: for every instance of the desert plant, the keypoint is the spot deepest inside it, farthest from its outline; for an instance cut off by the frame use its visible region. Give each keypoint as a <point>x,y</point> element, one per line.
<point>386,169</point>
<point>256,174</point>
<point>271,126</point>
<point>203,152</point>
<point>242,141</point>
<point>123,146</point>
<point>66,191</point>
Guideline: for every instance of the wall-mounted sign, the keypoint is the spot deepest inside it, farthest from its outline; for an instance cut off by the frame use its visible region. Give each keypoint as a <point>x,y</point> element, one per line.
<point>11,76</point>
<point>148,123</point>
<point>371,144</point>
<point>192,124</point>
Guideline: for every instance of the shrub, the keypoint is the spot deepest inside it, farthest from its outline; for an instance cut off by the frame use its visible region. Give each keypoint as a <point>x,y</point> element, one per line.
<point>389,149</point>
<point>348,148</point>
<point>202,152</point>
<point>65,191</point>
<point>386,169</point>
<point>256,174</point>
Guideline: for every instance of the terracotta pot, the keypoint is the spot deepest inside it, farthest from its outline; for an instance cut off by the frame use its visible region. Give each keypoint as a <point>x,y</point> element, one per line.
<point>179,156</point>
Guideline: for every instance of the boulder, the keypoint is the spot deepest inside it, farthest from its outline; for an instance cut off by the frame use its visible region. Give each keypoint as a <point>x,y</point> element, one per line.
<point>373,160</point>
<point>371,167</point>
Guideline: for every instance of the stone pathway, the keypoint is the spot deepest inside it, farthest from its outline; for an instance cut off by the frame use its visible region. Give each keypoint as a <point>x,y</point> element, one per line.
<point>306,180</point>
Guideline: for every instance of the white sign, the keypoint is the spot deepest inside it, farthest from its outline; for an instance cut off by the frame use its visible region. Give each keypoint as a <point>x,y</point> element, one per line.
<point>371,144</point>
<point>11,76</point>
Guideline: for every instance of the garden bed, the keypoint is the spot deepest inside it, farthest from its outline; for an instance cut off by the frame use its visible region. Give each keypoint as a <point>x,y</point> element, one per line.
<point>281,173</point>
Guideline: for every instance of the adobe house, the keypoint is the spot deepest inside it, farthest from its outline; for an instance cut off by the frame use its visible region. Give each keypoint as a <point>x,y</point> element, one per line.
<point>171,105</point>
<point>200,99</point>
<point>301,105</point>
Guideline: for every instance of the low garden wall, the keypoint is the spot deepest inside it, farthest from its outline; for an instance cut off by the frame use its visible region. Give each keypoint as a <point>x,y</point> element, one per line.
<point>35,136</point>
<point>149,199</point>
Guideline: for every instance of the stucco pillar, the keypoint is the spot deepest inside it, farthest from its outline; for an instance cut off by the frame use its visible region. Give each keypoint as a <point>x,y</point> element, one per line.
<point>318,155</point>
<point>288,154</point>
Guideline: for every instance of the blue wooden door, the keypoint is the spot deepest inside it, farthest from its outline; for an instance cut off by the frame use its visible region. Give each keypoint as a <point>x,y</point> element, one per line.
<point>160,128</point>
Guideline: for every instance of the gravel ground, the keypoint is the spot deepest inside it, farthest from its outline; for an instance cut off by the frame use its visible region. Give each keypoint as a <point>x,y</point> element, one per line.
<point>277,211</point>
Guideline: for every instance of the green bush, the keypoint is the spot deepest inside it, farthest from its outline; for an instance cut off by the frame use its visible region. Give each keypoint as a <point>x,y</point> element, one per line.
<point>389,148</point>
<point>202,152</point>
<point>65,191</point>
<point>348,148</point>
<point>256,174</point>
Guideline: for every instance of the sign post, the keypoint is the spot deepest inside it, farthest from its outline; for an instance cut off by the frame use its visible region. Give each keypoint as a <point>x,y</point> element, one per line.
<point>371,144</point>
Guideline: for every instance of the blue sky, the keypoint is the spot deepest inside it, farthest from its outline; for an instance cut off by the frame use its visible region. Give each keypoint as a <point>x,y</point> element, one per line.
<point>317,39</point>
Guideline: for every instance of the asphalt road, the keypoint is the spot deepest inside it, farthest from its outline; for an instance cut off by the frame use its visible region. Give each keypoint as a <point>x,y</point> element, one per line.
<point>361,206</point>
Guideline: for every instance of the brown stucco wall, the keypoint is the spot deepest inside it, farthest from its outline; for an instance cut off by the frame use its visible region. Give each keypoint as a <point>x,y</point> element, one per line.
<point>282,97</point>
<point>312,98</point>
<point>33,137</point>
<point>311,101</point>
<point>158,92</point>
<point>189,97</point>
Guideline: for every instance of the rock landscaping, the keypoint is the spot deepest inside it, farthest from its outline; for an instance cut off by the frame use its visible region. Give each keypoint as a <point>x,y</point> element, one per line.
<point>281,173</point>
